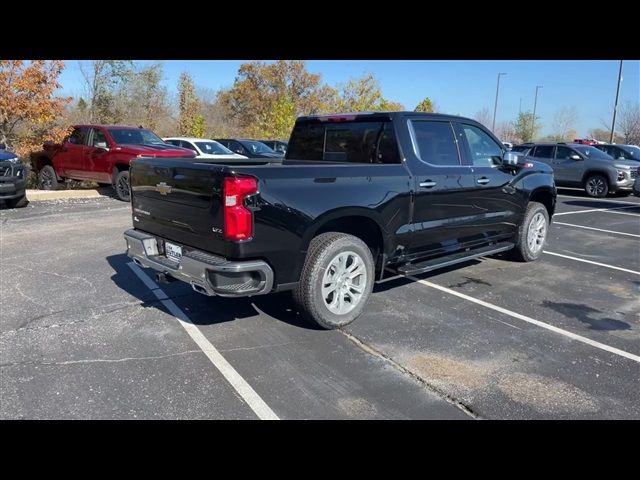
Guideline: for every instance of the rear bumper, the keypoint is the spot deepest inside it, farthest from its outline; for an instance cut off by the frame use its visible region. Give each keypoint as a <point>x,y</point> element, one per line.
<point>206,273</point>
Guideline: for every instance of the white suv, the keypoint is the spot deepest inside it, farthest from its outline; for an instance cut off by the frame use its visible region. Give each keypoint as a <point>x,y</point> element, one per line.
<point>205,148</point>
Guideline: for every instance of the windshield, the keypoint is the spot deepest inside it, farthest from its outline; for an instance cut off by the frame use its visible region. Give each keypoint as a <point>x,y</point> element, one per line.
<point>592,152</point>
<point>213,148</point>
<point>256,147</point>
<point>135,136</point>
<point>633,151</point>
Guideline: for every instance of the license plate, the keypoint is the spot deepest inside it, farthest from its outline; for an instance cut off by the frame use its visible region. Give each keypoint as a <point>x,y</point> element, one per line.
<point>174,252</point>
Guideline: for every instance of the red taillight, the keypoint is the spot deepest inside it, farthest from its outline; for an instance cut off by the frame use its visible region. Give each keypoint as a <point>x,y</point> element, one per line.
<point>238,221</point>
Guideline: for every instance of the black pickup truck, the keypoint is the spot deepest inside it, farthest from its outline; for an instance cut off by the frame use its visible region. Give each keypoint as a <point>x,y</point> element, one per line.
<point>356,195</point>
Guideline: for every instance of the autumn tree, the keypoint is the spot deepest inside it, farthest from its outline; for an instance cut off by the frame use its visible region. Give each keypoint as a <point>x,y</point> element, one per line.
<point>260,87</point>
<point>425,105</point>
<point>506,133</point>
<point>189,108</point>
<point>484,117</point>
<point>564,121</point>
<point>29,107</point>
<point>526,129</point>
<point>602,135</point>
<point>145,98</point>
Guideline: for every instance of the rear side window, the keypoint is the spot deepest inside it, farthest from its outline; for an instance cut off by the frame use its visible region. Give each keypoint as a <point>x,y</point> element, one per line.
<point>435,142</point>
<point>349,142</point>
<point>543,151</point>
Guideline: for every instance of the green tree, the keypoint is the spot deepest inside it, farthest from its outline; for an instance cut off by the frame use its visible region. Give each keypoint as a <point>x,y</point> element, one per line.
<point>280,118</point>
<point>105,80</point>
<point>363,95</point>
<point>189,106</point>
<point>526,129</point>
<point>144,98</point>
<point>425,105</point>
<point>199,127</point>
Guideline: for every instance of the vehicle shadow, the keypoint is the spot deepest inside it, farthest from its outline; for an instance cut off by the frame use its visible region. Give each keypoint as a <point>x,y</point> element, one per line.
<point>586,314</point>
<point>203,310</point>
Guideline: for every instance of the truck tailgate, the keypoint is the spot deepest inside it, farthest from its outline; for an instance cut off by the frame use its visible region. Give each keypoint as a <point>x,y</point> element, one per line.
<point>178,200</point>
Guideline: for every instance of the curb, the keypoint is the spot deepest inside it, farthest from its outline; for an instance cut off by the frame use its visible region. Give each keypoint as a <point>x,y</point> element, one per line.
<point>41,195</point>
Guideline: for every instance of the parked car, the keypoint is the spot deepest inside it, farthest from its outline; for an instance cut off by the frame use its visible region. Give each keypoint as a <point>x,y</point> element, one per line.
<point>100,153</point>
<point>357,194</point>
<point>586,141</point>
<point>13,174</point>
<point>278,146</point>
<point>205,148</point>
<point>621,152</point>
<point>248,148</point>
<point>579,165</point>
<point>522,149</point>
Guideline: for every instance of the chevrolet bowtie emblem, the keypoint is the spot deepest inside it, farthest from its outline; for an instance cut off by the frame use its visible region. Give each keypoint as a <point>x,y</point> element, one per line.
<point>163,188</point>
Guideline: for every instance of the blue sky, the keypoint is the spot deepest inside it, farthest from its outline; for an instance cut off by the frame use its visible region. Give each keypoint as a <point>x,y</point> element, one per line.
<point>457,87</point>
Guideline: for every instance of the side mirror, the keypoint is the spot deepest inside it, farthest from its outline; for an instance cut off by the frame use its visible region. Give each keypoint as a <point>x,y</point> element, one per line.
<point>510,158</point>
<point>102,145</point>
<point>621,158</point>
<point>575,156</point>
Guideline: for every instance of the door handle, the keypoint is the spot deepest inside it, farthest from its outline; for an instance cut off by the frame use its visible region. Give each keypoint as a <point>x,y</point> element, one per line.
<point>428,184</point>
<point>483,180</point>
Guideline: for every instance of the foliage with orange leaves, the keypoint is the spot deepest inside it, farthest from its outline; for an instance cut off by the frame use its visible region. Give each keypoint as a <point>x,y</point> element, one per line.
<point>29,110</point>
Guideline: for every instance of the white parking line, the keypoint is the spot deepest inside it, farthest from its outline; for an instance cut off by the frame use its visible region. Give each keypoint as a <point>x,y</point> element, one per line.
<point>610,210</point>
<point>597,229</point>
<point>248,394</point>
<point>637,204</point>
<point>573,336</point>
<point>592,262</point>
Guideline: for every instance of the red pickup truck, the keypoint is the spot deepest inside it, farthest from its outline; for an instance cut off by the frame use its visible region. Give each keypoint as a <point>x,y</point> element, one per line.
<point>100,153</point>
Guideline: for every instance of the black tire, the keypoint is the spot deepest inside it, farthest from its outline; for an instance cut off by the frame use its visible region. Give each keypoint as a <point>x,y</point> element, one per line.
<point>323,251</point>
<point>47,179</point>
<point>19,202</point>
<point>523,250</point>
<point>121,186</point>
<point>596,186</point>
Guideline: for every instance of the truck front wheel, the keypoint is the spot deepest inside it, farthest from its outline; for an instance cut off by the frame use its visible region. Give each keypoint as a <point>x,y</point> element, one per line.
<point>121,185</point>
<point>532,233</point>
<point>47,179</point>
<point>337,280</point>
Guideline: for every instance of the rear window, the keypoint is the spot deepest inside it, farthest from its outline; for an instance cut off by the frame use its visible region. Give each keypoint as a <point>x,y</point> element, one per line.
<point>349,142</point>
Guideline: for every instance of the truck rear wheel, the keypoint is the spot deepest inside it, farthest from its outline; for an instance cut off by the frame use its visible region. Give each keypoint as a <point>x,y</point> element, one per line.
<point>337,280</point>
<point>121,185</point>
<point>532,233</point>
<point>47,179</point>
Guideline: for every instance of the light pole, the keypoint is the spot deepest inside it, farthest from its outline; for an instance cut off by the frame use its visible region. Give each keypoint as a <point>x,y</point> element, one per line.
<point>615,106</point>
<point>520,108</point>
<point>533,120</point>
<point>495,106</point>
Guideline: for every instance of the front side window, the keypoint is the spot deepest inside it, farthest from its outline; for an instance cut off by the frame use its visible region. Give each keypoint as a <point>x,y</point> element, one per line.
<point>78,136</point>
<point>564,153</point>
<point>543,151</point>
<point>484,151</point>
<point>435,143</point>
<point>175,143</point>
<point>188,145</point>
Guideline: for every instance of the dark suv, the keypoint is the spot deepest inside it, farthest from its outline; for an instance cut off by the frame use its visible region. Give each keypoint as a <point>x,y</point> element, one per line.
<point>12,179</point>
<point>276,145</point>
<point>579,165</point>
<point>249,148</point>
<point>621,152</point>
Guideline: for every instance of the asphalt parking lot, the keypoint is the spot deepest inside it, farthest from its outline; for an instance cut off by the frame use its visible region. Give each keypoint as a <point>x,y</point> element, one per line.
<point>84,333</point>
